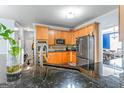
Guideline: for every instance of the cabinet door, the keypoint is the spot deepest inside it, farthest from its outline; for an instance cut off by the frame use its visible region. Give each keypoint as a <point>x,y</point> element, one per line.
<point>90,28</point>
<point>55,58</point>
<point>74,57</point>
<point>51,58</point>
<point>62,34</point>
<point>41,32</point>
<point>69,38</point>
<point>65,57</point>
<point>80,33</point>
<point>59,57</point>
<point>58,34</point>
<point>73,38</point>
<point>68,57</point>
<point>51,37</point>
<point>55,34</point>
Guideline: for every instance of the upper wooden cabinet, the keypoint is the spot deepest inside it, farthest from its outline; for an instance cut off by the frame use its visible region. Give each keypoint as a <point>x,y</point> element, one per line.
<point>121,22</point>
<point>51,37</point>
<point>41,32</point>
<point>91,28</point>
<point>70,38</point>
<point>57,34</point>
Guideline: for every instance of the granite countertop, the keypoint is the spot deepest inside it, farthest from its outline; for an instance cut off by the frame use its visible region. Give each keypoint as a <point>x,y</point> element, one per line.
<point>51,77</point>
<point>58,77</point>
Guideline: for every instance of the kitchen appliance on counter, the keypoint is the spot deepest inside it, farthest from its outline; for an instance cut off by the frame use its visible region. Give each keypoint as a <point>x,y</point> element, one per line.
<point>85,51</point>
<point>42,52</point>
<point>60,41</point>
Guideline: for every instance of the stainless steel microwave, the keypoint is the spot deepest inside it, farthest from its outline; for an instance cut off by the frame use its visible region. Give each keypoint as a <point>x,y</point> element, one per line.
<point>60,41</point>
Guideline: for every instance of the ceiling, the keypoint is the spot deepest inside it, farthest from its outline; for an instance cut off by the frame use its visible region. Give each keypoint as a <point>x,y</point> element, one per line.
<point>52,14</point>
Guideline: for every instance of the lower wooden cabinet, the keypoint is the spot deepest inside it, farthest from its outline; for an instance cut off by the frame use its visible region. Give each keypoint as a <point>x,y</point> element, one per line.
<point>61,57</point>
<point>52,58</point>
<point>74,57</point>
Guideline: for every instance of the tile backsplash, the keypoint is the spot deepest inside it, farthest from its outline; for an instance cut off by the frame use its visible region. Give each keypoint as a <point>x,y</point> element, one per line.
<point>64,47</point>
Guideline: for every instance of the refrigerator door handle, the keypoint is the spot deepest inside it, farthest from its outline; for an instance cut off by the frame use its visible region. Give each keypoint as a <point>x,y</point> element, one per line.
<point>79,48</point>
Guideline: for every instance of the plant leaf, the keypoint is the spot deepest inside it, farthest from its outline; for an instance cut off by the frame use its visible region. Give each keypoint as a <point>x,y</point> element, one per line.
<point>5,33</point>
<point>4,27</point>
<point>14,51</point>
<point>12,41</point>
<point>5,36</point>
<point>8,31</point>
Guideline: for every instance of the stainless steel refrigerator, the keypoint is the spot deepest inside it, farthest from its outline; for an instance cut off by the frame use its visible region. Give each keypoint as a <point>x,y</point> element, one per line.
<point>85,51</point>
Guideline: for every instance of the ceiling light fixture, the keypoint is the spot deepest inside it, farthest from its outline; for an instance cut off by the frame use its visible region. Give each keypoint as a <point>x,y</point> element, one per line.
<point>71,13</point>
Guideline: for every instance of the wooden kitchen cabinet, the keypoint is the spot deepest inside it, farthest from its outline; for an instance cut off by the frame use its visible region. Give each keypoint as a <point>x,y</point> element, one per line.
<point>51,37</point>
<point>78,33</point>
<point>59,57</point>
<point>90,28</point>
<point>68,38</point>
<point>74,57</point>
<point>41,32</point>
<point>57,34</point>
<point>83,31</point>
<point>55,58</point>
<point>75,35</point>
<point>64,36</point>
<point>73,38</point>
<point>51,58</point>
<point>65,57</point>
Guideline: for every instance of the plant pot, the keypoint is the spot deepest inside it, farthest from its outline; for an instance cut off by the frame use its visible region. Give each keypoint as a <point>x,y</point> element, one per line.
<point>13,73</point>
<point>14,55</point>
<point>14,60</point>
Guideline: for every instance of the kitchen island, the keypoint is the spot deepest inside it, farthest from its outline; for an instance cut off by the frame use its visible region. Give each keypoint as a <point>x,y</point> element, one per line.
<point>57,77</point>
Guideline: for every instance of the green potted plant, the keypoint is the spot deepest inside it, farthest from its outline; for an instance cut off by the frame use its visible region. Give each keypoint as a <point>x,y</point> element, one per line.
<point>14,50</point>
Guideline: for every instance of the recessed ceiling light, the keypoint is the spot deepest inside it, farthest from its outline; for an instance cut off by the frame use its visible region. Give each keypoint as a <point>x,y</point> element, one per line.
<point>71,12</point>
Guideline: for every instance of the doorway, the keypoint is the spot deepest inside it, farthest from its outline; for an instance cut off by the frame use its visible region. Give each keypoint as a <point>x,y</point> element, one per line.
<point>112,52</point>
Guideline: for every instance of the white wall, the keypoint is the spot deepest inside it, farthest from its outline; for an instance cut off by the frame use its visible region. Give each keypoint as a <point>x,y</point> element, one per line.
<point>107,20</point>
